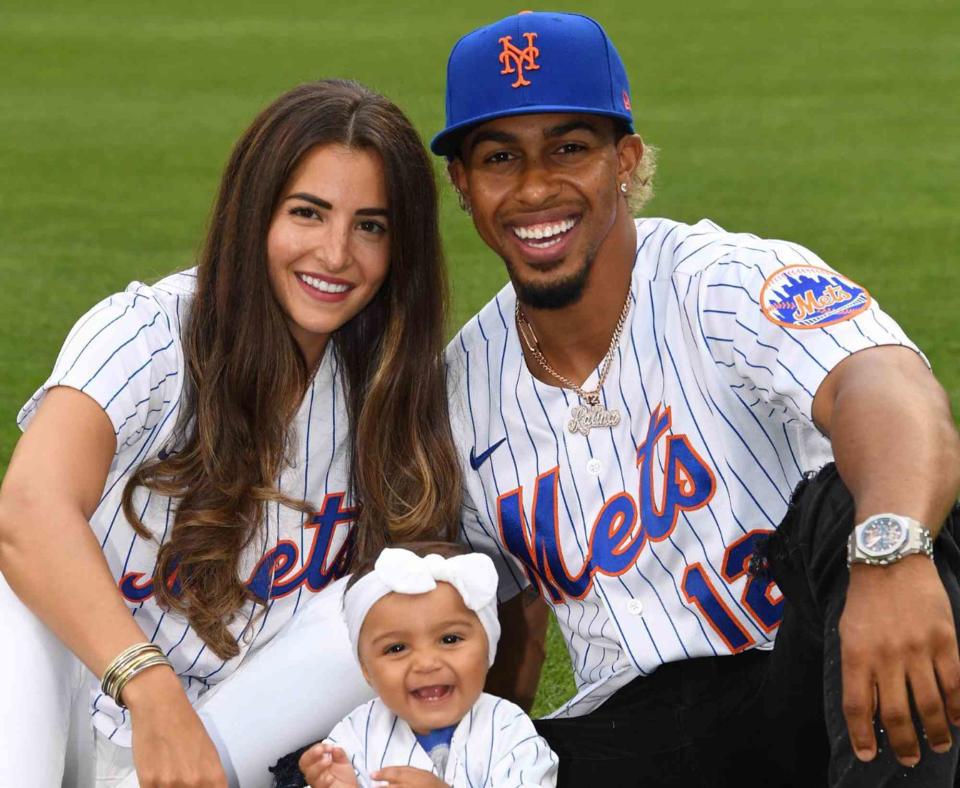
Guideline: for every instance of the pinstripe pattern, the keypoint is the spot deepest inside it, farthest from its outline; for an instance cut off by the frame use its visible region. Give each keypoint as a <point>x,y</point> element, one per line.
<point>126,354</point>
<point>736,391</point>
<point>495,744</point>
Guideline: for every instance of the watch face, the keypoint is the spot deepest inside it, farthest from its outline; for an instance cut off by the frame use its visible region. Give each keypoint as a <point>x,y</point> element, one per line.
<point>882,536</point>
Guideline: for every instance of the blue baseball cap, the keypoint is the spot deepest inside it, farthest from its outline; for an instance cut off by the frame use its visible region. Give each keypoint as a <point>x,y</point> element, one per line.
<point>528,63</point>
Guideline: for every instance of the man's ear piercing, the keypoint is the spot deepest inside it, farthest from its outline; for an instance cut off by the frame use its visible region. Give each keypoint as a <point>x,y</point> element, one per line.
<point>623,188</point>
<point>464,204</point>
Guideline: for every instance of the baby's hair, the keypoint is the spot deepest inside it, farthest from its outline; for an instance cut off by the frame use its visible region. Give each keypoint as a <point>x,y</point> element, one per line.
<point>422,549</point>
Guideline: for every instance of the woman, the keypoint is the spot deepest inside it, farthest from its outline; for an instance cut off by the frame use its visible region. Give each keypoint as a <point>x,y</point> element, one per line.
<point>203,447</point>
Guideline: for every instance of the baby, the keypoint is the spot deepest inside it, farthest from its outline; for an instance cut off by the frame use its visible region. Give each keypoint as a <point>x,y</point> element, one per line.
<point>423,623</point>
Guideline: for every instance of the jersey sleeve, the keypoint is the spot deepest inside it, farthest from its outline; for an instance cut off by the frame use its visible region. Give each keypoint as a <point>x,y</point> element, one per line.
<point>775,317</point>
<point>523,758</point>
<point>125,354</point>
<point>346,736</point>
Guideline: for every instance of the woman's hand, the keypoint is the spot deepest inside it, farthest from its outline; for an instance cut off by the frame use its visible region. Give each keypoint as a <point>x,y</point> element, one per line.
<point>171,747</point>
<point>407,777</point>
<point>326,766</point>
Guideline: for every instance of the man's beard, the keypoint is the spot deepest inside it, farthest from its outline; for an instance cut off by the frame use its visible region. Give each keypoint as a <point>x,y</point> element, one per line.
<point>555,295</point>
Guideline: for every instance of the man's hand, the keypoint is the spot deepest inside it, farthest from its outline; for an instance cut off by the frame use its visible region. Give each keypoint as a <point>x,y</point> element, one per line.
<point>898,638</point>
<point>326,766</point>
<point>407,777</point>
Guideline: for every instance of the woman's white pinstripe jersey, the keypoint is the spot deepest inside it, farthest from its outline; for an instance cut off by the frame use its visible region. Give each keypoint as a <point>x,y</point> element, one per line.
<point>126,354</point>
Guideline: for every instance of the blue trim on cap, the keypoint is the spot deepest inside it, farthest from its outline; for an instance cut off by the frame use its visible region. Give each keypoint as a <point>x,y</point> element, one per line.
<point>439,147</point>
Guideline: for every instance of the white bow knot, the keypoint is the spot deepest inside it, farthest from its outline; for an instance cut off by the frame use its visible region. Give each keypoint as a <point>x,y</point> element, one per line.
<point>403,572</point>
<point>472,575</point>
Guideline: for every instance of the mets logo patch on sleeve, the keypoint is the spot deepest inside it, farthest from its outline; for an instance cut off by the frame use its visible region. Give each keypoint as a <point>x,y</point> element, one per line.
<point>804,296</point>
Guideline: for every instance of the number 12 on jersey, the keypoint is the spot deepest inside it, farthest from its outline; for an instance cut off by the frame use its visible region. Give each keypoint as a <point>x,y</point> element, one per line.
<point>760,598</point>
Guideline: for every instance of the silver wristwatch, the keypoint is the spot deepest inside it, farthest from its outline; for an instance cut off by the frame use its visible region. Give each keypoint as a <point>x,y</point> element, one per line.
<point>886,538</point>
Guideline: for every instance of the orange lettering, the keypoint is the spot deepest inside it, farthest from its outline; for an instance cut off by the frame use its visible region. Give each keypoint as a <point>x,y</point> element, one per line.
<point>515,60</point>
<point>806,305</point>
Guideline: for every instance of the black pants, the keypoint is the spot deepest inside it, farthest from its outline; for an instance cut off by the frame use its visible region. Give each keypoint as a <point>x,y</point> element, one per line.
<point>759,718</point>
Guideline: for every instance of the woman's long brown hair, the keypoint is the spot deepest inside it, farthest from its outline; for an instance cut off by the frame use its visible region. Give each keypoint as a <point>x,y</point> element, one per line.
<point>246,375</point>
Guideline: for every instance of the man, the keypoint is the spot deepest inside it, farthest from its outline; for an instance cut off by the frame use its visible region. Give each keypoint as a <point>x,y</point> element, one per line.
<point>636,409</point>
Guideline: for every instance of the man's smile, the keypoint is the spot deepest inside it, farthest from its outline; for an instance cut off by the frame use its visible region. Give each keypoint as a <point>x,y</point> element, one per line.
<point>544,241</point>
<point>545,234</point>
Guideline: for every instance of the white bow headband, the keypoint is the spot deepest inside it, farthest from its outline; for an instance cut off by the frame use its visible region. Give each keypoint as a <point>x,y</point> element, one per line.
<point>403,572</point>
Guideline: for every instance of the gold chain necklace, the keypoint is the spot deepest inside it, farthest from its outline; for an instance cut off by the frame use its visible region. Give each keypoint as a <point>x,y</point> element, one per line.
<point>592,414</point>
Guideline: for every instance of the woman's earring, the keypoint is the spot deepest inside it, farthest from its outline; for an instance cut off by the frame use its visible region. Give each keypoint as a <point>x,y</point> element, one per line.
<point>464,204</point>
<point>623,188</point>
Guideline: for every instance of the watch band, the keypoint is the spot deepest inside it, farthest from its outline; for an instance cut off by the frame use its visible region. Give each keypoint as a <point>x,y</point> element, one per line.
<point>916,539</point>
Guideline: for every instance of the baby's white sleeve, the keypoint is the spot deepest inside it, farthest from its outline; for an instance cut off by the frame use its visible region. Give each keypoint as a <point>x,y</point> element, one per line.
<point>346,736</point>
<point>523,757</point>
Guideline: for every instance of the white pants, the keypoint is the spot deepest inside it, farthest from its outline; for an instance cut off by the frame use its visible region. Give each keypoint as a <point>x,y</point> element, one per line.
<point>292,691</point>
<point>113,765</point>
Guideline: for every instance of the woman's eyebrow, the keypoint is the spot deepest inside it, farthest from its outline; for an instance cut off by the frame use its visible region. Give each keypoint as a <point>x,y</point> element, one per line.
<point>321,203</point>
<point>311,198</point>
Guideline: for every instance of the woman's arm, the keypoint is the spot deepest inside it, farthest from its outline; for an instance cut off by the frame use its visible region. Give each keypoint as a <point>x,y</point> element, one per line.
<point>48,552</point>
<point>522,649</point>
<point>52,560</point>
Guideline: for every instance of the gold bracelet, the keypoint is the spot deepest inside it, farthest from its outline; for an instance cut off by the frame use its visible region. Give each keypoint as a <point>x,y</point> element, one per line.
<point>134,664</point>
<point>128,664</point>
<point>120,662</point>
<point>142,665</point>
<point>109,675</point>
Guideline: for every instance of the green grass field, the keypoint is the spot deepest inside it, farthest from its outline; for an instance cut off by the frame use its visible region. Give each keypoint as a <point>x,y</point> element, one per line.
<point>829,123</point>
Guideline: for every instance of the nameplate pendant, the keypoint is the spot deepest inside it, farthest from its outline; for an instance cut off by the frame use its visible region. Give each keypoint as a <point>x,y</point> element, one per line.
<point>584,418</point>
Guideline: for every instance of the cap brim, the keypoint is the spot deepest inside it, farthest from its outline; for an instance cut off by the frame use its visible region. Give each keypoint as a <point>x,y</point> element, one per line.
<point>443,143</point>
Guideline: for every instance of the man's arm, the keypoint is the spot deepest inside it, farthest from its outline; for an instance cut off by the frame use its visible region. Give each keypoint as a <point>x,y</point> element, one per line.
<point>897,450</point>
<point>522,649</point>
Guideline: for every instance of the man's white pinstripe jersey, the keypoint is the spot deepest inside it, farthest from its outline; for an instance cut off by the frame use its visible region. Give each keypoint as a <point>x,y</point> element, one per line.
<point>638,534</point>
<point>494,745</point>
<point>126,354</point>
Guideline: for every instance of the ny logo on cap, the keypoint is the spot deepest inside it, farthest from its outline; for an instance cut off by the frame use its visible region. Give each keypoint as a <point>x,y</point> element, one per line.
<point>515,60</point>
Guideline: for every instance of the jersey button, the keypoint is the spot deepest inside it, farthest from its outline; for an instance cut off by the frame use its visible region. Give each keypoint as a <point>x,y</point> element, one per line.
<point>635,607</point>
<point>594,466</point>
